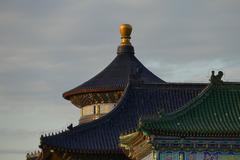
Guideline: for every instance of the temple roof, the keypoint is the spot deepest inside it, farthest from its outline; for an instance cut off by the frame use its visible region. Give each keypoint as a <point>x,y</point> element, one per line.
<point>102,135</point>
<point>116,75</point>
<point>215,112</point>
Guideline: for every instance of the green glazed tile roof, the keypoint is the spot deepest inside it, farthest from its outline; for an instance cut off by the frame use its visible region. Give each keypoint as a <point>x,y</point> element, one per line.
<point>215,112</point>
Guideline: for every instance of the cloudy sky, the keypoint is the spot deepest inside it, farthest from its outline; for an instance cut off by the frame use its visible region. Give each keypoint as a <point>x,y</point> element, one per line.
<point>50,46</point>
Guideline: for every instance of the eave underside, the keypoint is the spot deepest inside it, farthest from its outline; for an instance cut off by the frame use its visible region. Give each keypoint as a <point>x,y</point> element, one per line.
<point>49,154</point>
<point>198,144</point>
<point>81,100</point>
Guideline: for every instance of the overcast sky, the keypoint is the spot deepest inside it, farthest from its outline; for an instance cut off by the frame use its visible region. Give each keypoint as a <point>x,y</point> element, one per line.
<point>50,46</point>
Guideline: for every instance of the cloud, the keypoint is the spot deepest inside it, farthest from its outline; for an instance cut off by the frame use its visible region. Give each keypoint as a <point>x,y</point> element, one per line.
<point>48,47</point>
<point>10,151</point>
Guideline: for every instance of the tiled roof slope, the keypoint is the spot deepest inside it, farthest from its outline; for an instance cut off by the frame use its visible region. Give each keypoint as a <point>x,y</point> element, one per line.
<point>215,112</point>
<point>101,136</point>
<point>116,75</point>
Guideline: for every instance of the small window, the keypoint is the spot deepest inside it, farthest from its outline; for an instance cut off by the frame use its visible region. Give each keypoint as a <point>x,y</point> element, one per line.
<point>105,108</point>
<point>81,112</point>
<point>88,110</point>
<point>97,109</point>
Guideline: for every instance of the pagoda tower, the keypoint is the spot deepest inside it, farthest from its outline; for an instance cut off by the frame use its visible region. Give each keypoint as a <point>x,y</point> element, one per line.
<point>110,104</point>
<point>99,95</point>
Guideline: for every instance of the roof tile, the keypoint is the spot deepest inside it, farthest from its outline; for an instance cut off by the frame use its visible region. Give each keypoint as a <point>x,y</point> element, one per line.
<point>141,100</point>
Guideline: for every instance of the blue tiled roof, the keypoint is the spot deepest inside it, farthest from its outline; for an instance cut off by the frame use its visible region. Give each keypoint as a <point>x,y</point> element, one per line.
<point>116,75</point>
<point>101,136</point>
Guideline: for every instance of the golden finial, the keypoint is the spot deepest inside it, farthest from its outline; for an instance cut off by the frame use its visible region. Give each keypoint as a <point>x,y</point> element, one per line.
<point>125,31</point>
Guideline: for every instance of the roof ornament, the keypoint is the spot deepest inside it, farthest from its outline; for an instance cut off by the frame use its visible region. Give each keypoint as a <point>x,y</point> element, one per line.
<point>216,79</point>
<point>125,31</point>
<point>70,127</point>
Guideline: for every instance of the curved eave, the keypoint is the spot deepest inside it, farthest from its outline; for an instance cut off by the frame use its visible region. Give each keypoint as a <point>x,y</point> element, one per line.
<point>82,151</point>
<point>115,76</point>
<point>70,93</point>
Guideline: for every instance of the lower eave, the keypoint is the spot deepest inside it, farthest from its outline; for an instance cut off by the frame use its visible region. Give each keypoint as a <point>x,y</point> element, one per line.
<point>80,151</point>
<point>217,134</point>
<point>67,95</point>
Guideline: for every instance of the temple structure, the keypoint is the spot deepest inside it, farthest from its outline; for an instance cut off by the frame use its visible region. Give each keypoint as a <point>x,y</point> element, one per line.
<point>111,103</point>
<point>206,128</point>
<point>99,95</point>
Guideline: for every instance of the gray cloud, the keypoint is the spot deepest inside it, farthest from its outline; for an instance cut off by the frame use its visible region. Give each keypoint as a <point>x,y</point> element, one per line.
<point>12,151</point>
<point>48,47</point>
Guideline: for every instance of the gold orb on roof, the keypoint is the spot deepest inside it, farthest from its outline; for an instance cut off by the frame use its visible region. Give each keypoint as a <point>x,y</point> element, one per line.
<point>125,31</point>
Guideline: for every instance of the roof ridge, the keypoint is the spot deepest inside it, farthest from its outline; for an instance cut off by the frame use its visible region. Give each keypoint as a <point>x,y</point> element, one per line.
<point>212,90</point>
<point>180,111</point>
<point>168,84</point>
<point>185,108</point>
